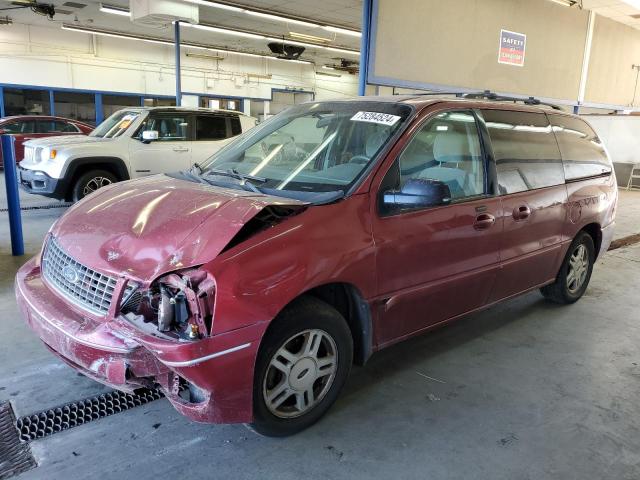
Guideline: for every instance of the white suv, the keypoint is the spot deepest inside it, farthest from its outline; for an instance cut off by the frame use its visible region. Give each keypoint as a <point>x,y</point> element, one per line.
<point>131,143</point>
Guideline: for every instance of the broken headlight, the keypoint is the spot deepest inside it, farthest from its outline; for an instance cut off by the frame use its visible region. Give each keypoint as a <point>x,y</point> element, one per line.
<point>178,305</point>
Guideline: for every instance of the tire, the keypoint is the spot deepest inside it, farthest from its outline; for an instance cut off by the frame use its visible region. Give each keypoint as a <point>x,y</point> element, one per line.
<point>308,322</point>
<point>91,181</point>
<point>569,287</point>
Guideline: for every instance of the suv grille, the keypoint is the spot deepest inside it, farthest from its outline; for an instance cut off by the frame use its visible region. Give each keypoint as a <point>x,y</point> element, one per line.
<point>86,288</point>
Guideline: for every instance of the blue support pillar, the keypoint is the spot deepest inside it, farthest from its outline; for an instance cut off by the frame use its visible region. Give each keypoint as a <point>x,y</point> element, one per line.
<point>1,102</point>
<point>52,103</point>
<point>364,46</point>
<point>13,200</point>
<point>576,109</point>
<point>99,109</point>
<point>178,69</point>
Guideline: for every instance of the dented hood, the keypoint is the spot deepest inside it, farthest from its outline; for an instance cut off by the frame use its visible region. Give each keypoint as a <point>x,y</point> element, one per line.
<point>147,227</point>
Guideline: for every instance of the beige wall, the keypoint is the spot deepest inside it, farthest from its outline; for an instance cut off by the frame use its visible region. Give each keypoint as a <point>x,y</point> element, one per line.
<point>615,48</point>
<point>456,43</point>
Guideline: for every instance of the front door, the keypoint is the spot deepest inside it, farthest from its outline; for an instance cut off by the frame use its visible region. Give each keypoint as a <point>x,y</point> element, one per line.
<point>170,152</point>
<point>439,262</point>
<point>534,197</point>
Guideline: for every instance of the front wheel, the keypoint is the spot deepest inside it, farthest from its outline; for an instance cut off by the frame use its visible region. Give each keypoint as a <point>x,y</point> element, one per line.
<point>302,365</point>
<point>90,182</point>
<point>575,273</point>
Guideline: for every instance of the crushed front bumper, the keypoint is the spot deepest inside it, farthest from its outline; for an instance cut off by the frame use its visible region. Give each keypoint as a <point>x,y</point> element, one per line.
<point>117,354</point>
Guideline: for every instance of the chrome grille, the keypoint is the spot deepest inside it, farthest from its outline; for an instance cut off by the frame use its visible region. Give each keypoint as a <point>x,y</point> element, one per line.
<point>85,287</point>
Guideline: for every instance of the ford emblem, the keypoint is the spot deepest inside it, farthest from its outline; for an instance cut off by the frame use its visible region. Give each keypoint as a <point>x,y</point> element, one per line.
<point>70,274</point>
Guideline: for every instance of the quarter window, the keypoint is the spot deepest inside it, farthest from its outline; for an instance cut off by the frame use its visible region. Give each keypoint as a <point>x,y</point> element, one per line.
<point>446,149</point>
<point>583,154</point>
<point>210,127</point>
<point>525,150</point>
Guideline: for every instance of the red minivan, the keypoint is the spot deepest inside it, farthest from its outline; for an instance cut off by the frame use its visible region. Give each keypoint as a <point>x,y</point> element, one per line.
<point>246,287</point>
<point>30,127</point>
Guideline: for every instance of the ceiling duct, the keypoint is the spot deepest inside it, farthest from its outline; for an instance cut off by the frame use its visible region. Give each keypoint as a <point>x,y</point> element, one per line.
<point>162,12</point>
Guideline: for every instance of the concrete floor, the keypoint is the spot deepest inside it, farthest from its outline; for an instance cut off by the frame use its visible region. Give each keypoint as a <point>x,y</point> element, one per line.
<point>524,390</point>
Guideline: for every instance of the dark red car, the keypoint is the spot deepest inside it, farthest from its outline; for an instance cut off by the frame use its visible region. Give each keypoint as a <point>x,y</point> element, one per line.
<point>246,287</point>
<point>29,127</point>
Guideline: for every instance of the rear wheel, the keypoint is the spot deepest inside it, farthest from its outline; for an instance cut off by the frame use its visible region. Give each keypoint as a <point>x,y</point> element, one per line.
<point>575,273</point>
<point>90,182</point>
<point>302,365</point>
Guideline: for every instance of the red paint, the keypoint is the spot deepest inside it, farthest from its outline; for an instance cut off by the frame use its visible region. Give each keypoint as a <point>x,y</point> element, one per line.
<point>415,271</point>
<point>85,129</point>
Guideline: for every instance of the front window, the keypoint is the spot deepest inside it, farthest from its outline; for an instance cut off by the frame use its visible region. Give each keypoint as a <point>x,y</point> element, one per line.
<point>116,124</point>
<point>310,148</point>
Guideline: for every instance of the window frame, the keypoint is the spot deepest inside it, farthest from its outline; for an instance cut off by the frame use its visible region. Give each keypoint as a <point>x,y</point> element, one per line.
<point>488,164</point>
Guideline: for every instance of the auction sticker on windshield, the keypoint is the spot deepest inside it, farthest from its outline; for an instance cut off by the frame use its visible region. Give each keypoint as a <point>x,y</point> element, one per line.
<point>376,117</point>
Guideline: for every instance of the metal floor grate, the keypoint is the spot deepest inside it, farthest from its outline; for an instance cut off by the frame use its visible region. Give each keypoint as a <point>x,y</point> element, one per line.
<point>15,457</point>
<point>71,415</point>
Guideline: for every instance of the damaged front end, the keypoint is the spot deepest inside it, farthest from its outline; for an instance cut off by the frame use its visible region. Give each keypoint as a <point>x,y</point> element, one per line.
<point>178,306</point>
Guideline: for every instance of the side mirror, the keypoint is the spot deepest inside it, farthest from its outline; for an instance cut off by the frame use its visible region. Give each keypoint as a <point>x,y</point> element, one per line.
<point>418,193</point>
<point>149,136</point>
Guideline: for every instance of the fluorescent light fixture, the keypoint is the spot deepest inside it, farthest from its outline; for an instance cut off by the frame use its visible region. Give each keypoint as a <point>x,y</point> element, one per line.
<point>237,33</point>
<point>222,6</point>
<point>342,50</point>
<point>115,10</point>
<point>271,16</point>
<point>312,38</point>
<point>344,31</point>
<point>565,3</point>
<point>633,3</point>
<point>328,67</point>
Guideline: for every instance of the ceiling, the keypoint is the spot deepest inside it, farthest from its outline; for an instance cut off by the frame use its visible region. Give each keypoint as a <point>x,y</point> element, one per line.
<point>617,10</point>
<point>343,13</point>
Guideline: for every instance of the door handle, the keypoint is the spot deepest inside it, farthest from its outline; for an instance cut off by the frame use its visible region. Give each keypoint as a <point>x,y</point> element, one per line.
<point>484,221</point>
<point>521,213</point>
<point>180,149</point>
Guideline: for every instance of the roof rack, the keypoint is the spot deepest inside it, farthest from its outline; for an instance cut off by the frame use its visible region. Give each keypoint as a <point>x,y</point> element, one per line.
<point>489,95</point>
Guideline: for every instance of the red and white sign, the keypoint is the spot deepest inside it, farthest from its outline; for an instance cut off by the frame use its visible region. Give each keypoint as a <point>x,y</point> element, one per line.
<point>513,46</point>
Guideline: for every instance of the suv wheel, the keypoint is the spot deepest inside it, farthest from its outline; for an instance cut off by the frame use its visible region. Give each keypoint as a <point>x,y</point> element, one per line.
<point>575,273</point>
<point>302,365</point>
<point>90,182</point>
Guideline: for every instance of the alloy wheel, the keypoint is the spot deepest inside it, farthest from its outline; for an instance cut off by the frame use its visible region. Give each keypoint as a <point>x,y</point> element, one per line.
<point>94,184</point>
<point>300,373</point>
<point>578,268</point>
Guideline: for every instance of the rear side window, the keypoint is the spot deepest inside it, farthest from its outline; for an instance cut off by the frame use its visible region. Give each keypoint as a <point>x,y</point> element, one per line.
<point>525,150</point>
<point>210,127</point>
<point>64,127</point>
<point>583,153</point>
<point>236,128</point>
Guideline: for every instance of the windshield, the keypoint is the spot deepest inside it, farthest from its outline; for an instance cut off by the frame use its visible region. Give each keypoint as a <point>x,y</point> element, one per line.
<point>116,124</point>
<point>313,148</point>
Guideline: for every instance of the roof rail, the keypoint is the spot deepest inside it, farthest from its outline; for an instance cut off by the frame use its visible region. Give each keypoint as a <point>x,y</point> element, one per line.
<point>489,95</point>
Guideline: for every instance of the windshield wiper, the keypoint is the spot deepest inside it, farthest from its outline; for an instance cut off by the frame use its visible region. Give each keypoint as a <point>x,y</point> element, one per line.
<point>245,180</point>
<point>233,173</point>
